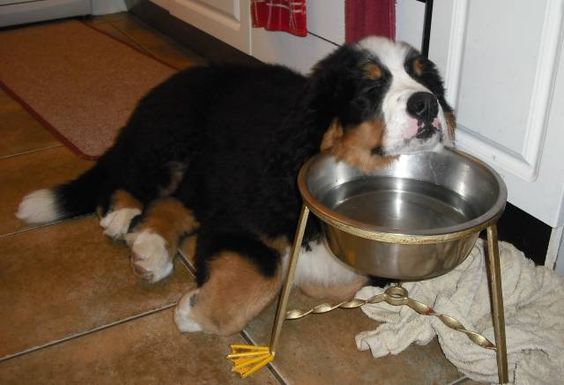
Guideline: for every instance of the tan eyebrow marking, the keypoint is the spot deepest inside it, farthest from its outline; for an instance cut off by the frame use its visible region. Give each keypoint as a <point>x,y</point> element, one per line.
<point>418,66</point>
<point>372,71</point>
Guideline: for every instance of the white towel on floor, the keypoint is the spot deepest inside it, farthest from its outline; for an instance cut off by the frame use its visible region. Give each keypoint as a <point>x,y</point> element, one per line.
<point>534,318</point>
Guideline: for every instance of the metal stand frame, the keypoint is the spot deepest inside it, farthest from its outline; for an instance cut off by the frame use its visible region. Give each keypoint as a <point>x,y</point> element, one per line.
<point>247,359</point>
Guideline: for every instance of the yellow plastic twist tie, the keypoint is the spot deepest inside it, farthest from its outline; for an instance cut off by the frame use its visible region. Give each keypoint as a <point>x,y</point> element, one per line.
<point>247,359</point>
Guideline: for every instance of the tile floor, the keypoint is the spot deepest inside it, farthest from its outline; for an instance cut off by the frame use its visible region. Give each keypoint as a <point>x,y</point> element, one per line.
<point>71,311</point>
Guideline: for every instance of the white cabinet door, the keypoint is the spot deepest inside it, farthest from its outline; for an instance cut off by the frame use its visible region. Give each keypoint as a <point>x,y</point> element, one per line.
<point>504,74</point>
<point>227,20</point>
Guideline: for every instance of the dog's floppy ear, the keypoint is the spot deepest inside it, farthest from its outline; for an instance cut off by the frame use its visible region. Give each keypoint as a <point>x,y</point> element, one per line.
<point>451,126</point>
<point>343,86</point>
<point>331,136</point>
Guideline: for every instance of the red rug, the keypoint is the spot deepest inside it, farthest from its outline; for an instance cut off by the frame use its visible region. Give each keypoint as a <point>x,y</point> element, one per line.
<point>79,82</point>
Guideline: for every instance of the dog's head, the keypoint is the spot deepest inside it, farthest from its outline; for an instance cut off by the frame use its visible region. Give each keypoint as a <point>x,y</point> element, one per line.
<point>384,99</point>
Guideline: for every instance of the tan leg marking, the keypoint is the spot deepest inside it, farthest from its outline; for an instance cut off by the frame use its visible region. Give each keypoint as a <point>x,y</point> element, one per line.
<point>124,207</point>
<point>418,67</point>
<point>121,199</point>
<point>188,247</point>
<point>170,219</point>
<point>372,71</point>
<point>155,240</point>
<point>280,244</point>
<point>235,293</point>
<point>354,145</point>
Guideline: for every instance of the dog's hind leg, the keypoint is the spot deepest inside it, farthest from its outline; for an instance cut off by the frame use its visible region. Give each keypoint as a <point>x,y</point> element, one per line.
<point>237,280</point>
<point>123,208</point>
<point>155,239</point>
<point>142,188</point>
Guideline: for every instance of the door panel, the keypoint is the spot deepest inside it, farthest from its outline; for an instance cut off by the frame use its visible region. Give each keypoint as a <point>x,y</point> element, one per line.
<point>227,20</point>
<point>502,78</point>
<point>503,67</point>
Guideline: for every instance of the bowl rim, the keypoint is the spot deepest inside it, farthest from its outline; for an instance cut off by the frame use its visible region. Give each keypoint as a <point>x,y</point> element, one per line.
<point>379,233</point>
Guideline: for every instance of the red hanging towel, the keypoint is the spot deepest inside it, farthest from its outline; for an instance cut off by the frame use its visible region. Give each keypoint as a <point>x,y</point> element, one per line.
<point>280,15</point>
<point>369,17</point>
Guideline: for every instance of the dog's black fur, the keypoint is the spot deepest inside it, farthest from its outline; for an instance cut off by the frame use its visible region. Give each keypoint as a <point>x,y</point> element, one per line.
<point>239,135</point>
<point>242,134</point>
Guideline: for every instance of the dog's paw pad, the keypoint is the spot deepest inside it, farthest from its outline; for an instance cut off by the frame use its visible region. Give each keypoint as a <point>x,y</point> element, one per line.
<point>149,256</point>
<point>116,223</point>
<point>183,314</point>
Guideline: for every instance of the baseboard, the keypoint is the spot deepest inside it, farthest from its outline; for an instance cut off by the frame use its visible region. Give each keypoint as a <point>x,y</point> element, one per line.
<point>526,232</point>
<point>37,11</point>
<point>104,7</point>
<point>197,41</point>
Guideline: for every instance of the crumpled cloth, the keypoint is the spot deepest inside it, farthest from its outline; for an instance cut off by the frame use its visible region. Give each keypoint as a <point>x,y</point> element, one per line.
<point>534,319</point>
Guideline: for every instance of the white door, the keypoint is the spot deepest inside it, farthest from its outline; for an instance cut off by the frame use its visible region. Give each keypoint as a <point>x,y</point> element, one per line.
<point>227,20</point>
<point>504,72</point>
<point>503,69</point>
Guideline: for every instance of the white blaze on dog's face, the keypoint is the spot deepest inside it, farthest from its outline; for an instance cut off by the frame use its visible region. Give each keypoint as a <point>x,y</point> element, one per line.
<point>386,99</point>
<point>412,113</point>
<point>413,116</point>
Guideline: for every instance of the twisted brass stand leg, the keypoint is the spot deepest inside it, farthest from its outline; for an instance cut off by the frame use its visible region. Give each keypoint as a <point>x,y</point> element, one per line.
<point>247,359</point>
<point>496,296</point>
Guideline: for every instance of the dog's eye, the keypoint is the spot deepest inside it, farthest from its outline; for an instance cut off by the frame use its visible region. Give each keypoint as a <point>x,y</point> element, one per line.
<point>372,71</point>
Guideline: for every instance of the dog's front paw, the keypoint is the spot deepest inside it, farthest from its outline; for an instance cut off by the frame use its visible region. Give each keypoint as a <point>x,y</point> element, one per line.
<point>183,313</point>
<point>116,223</point>
<point>150,258</point>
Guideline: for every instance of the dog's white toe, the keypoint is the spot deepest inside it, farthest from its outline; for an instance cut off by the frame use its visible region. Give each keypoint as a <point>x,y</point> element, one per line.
<point>116,223</point>
<point>149,256</point>
<point>183,312</point>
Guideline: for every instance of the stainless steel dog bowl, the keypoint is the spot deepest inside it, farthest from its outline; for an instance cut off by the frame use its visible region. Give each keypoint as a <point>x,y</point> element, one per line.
<point>415,219</point>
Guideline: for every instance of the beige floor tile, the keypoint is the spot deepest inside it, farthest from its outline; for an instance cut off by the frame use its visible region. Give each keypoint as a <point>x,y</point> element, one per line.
<point>320,349</point>
<point>23,174</point>
<point>19,131</point>
<point>145,351</point>
<point>66,279</point>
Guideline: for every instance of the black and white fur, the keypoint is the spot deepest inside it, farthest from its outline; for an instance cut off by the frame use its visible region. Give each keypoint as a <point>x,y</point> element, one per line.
<point>226,143</point>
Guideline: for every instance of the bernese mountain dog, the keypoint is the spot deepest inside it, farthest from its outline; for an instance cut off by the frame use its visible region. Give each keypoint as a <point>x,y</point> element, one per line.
<point>215,152</point>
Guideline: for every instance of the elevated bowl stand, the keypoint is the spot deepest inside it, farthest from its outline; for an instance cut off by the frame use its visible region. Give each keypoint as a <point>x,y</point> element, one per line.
<point>247,359</point>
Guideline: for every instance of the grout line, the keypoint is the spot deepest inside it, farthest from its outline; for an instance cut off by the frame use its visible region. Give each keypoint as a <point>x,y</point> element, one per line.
<point>139,45</point>
<point>186,262</point>
<point>56,145</point>
<point>28,229</point>
<point>460,381</point>
<point>91,331</point>
<point>131,40</point>
<point>41,226</point>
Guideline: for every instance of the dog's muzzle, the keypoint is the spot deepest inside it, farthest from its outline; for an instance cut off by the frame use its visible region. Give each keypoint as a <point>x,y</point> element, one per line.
<point>424,107</point>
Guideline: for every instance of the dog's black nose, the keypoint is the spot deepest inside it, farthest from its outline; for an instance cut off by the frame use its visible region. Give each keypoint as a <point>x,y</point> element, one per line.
<point>423,105</point>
